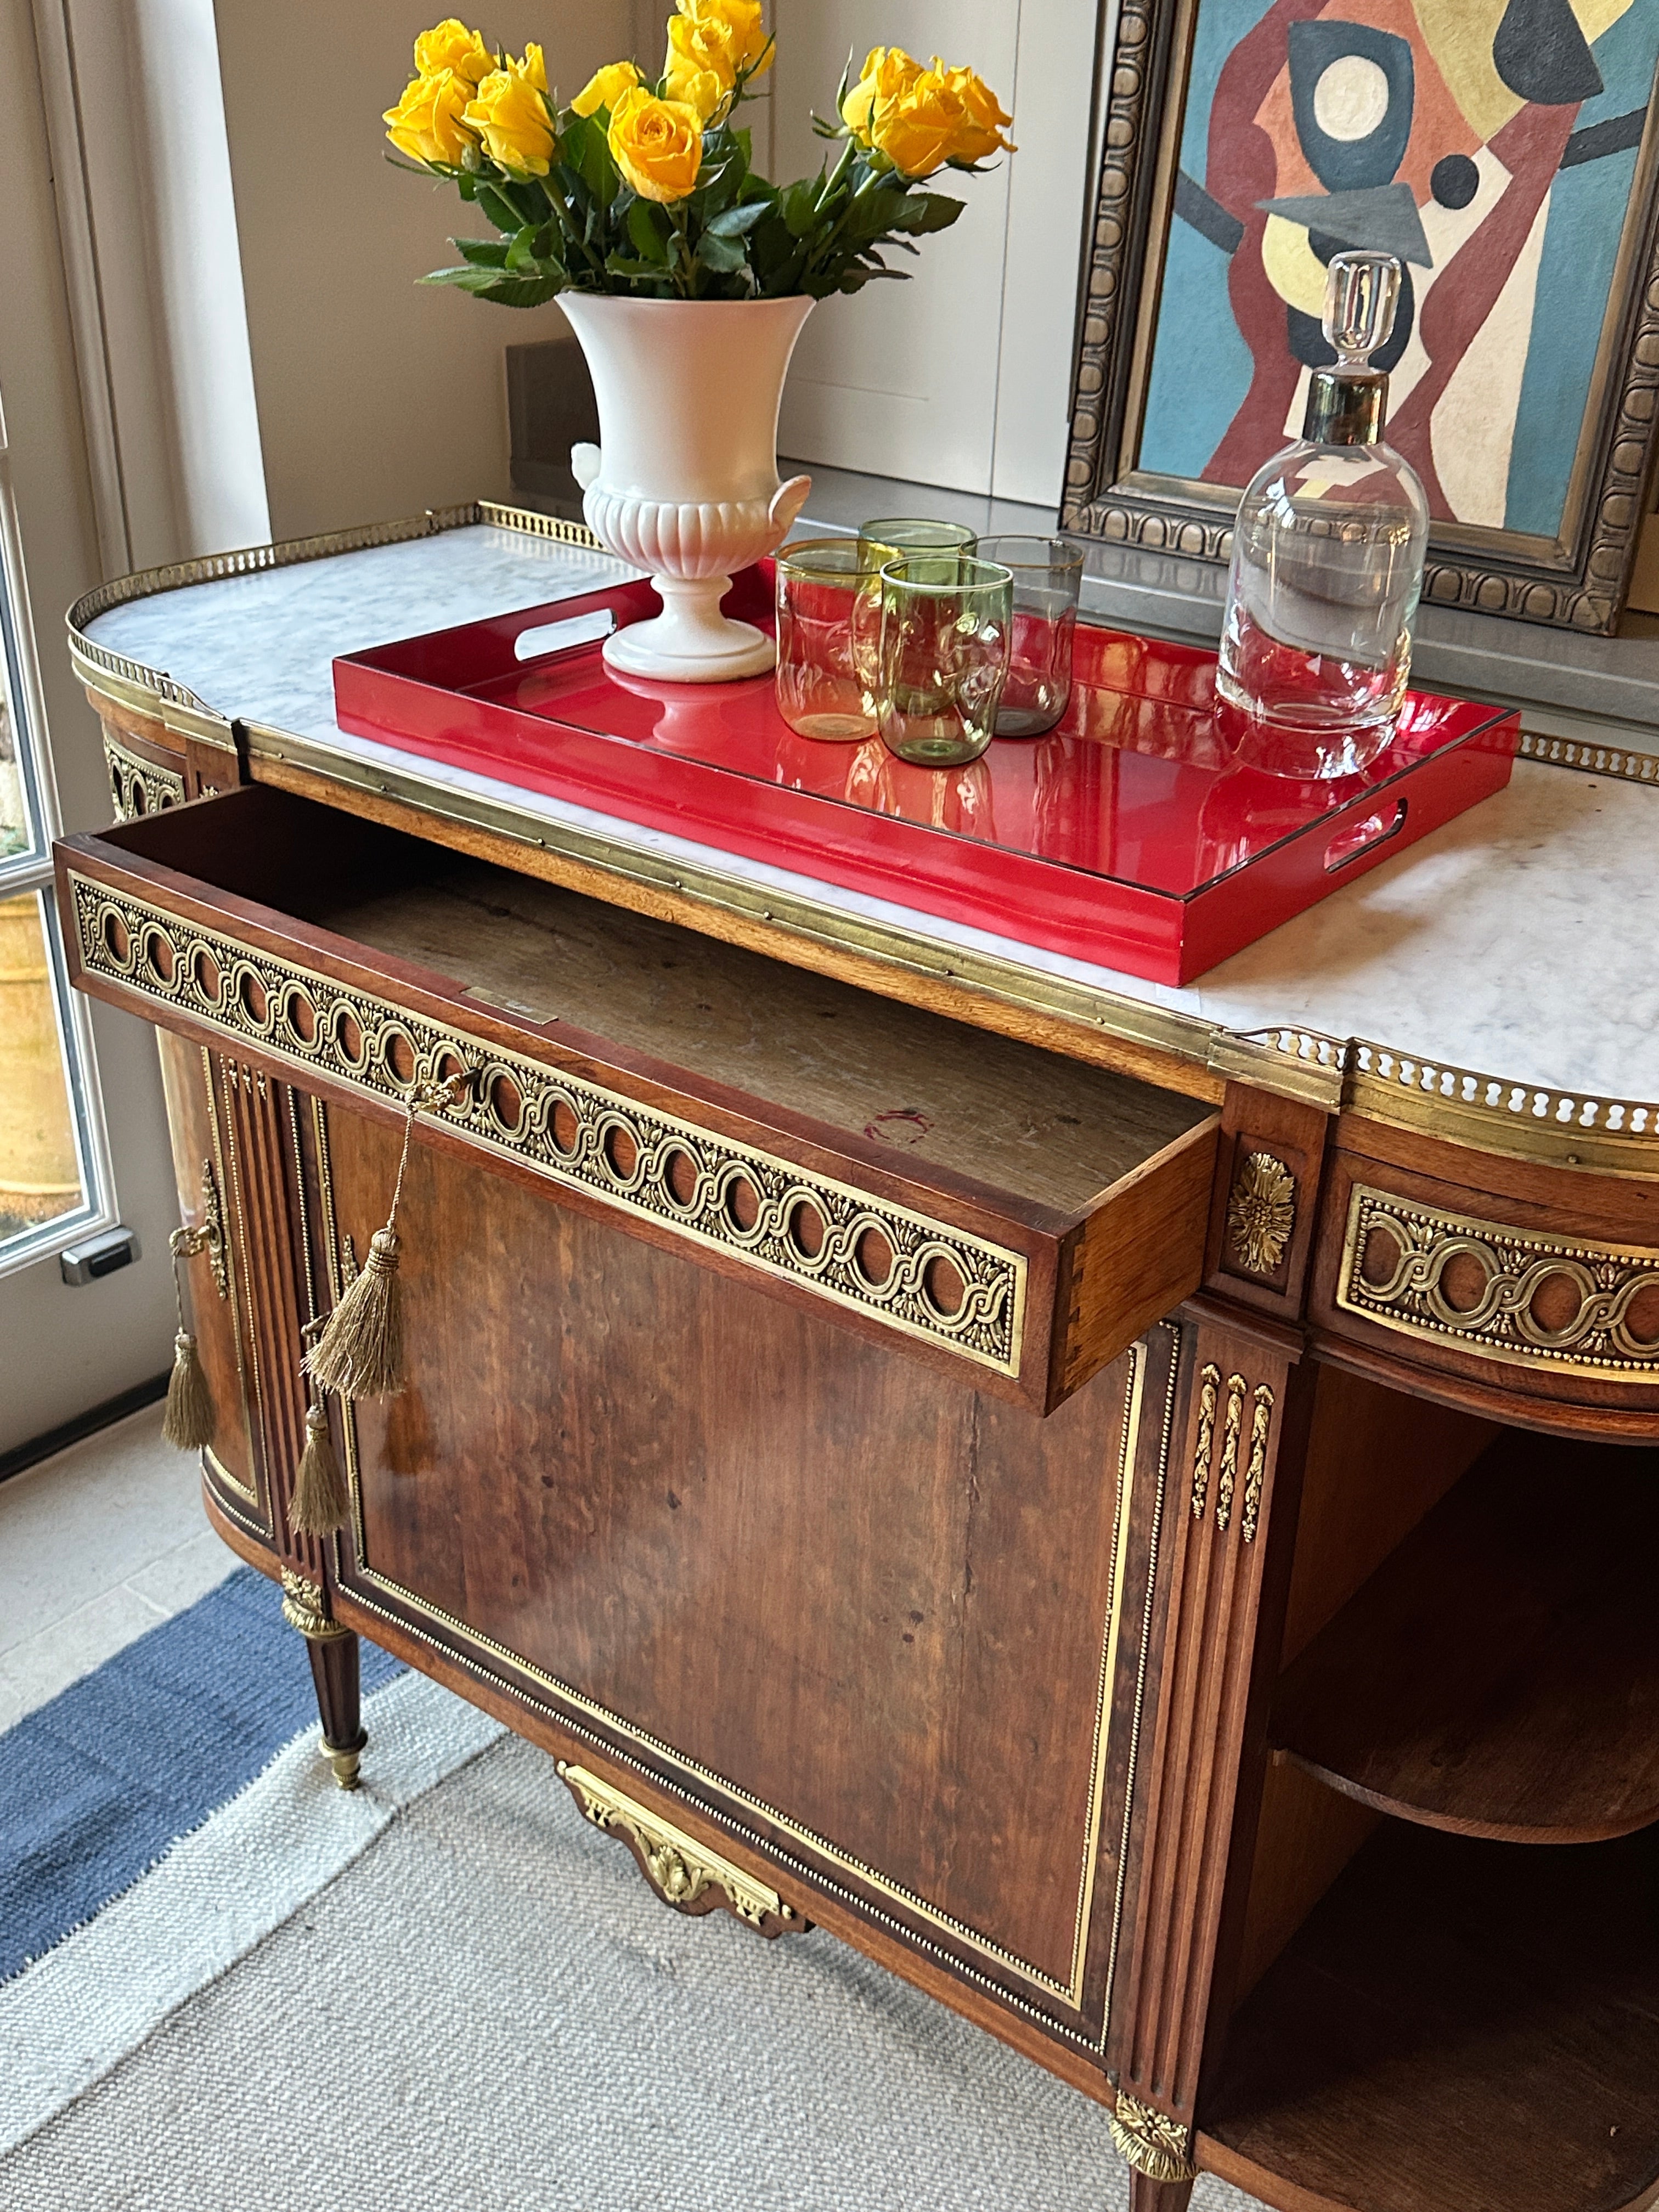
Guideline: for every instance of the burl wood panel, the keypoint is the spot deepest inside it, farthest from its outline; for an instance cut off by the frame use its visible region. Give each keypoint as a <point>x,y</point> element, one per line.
<point>870,1599</point>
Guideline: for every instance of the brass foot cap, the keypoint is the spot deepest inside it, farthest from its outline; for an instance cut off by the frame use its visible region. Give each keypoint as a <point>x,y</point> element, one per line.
<point>344,1759</point>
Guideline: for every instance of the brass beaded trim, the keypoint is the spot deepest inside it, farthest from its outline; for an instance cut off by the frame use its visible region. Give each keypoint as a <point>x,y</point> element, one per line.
<point>715,1191</point>
<point>1501,1324</point>
<point>132,779</point>
<point>1459,1105</point>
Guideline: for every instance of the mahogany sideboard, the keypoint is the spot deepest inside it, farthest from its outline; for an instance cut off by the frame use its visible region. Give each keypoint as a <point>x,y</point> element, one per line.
<point>1145,1525</point>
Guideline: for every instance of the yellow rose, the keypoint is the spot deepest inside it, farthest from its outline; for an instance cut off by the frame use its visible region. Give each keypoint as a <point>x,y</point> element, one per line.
<point>698,88</point>
<point>510,115</point>
<point>450,45</point>
<point>656,143</point>
<point>888,72</point>
<point>984,122</point>
<point>931,122</point>
<point>724,37</point>
<point>428,123</point>
<point>605,87</point>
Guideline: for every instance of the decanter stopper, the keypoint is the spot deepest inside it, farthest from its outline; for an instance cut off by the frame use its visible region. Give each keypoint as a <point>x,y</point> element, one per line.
<point>1346,404</point>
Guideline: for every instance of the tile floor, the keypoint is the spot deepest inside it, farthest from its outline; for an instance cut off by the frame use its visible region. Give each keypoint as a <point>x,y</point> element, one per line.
<point>96,1546</point>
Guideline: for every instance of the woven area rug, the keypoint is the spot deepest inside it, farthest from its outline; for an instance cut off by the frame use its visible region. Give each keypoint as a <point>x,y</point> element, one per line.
<point>451,1992</point>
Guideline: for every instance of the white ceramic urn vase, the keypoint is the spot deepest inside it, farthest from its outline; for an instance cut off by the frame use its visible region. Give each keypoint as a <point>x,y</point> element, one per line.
<point>684,480</point>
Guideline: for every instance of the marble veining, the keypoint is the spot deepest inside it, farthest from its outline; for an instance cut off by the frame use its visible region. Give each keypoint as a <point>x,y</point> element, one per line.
<point>1516,941</point>
<point>262,647</point>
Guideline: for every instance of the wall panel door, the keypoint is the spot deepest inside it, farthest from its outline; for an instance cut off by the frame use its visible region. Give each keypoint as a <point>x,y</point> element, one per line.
<point>960,376</point>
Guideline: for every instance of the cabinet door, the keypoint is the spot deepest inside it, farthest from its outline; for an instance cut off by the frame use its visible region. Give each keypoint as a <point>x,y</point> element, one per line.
<point>237,1150</point>
<point>881,1629</point>
<point>215,1283</point>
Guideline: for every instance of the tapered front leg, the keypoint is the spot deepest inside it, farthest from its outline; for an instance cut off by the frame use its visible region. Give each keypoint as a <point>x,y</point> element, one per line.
<point>1147,2195</point>
<point>333,1654</point>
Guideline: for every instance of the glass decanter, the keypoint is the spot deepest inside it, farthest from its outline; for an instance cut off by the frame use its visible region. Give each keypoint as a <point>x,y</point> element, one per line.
<point>1327,559</point>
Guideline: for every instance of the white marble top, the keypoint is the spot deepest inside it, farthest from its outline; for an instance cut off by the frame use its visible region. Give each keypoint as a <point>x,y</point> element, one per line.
<point>1517,941</point>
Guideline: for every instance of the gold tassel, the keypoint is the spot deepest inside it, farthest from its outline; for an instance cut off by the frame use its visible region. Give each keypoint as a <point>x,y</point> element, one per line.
<point>190,1420</point>
<point>321,1503</point>
<point>359,1353</point>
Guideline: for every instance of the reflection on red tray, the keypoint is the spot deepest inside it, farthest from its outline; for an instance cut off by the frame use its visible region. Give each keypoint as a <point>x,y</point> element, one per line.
<point>1130,836</point>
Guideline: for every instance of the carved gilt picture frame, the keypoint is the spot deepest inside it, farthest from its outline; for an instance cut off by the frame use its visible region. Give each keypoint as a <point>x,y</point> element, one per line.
<point>1507,149</point>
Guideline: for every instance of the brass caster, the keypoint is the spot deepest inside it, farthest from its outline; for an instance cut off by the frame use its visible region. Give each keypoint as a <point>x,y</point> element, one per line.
<point>344,1760</point>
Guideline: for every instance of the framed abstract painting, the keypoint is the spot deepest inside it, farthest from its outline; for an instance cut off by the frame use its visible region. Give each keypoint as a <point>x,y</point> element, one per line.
<point>1505,150</point>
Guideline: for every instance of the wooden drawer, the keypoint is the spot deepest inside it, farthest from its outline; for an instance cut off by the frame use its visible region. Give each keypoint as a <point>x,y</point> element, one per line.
<point>1019,1217</point>
<point>1535,1288</point>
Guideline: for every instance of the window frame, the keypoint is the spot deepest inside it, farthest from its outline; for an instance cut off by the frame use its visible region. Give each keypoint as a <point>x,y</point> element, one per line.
<point>30,871</point>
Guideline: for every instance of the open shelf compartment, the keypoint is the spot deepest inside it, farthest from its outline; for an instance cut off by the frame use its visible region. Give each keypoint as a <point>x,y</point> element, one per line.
<point>1498,1674</point>
<point>1457,2024</point>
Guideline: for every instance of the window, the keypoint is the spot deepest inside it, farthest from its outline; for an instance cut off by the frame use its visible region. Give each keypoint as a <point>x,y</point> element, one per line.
<point>51,1179</point>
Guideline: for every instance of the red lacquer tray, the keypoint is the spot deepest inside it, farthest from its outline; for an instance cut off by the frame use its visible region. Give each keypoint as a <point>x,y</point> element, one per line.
<point>1128,837</point>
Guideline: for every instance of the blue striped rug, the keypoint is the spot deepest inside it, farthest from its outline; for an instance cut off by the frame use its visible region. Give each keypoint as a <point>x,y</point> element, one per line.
<point>97,1785</point>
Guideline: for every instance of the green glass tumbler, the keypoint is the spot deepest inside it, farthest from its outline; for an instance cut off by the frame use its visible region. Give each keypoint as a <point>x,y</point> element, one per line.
<point>822,588</point>
<point>892,536</point>
<point>1047,574</point>
<point>946,622</point>
<point>895,537</point>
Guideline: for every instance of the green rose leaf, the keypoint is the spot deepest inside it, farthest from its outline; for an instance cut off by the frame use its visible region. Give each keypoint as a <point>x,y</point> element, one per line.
<point>649,232</point>
<point>718,252</point>
<point>799,206</point>
<point>500,210</point>
<point>734,223</point>
<point>492,284</point>
<point>481,253</point>
<point>927,211</point>
<point>586,151</point>
<point>622,264</point>
<point>523,291</point>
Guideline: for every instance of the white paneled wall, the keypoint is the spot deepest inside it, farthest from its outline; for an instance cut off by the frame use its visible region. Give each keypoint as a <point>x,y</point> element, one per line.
<point>959,377</point>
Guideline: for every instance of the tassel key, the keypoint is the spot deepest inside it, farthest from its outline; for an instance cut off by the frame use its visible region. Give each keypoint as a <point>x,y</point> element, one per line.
<point>360,1350</point>
<point>321,1503</point>
<point>189,1419</point>
<point>361,1353</point>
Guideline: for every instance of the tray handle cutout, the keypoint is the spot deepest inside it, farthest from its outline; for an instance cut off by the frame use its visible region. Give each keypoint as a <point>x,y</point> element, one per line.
<point>560,636</point>
<point>1365,835</point>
